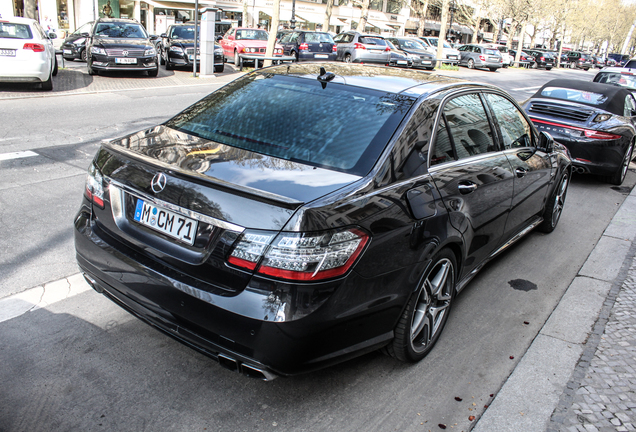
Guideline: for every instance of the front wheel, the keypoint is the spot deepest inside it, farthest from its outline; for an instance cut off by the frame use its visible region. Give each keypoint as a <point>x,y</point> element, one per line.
<point>427,311</point>
<point>219,68</point>
<point>83,55</point>
<point>554,207</point>
<point>237,61</point>
<point>153,72</point>
<point>471,64</point>
<point>54,73</point>
<point>493,69</point>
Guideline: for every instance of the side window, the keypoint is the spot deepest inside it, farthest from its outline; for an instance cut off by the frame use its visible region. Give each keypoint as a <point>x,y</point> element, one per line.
<point>442,150</point>
<point>294,37</point>
<point>515,130</point>
<point>469,126</point>
<point>338,38</point>
<point>348,38</point>
<point>630,106</point>
<point>462,48</point>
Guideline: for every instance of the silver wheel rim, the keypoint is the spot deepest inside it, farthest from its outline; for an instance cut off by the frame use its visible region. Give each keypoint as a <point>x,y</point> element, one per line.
<point>347,59</point>
<point>628,156</point>
<point>471,64</point>
<point>431,307</point>
<point>559,200</point>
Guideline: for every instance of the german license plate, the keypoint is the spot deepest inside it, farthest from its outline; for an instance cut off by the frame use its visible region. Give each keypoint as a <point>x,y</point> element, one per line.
<point>402,62</point>
<point>165,221</point>
<point>548,64</point>
<point>7,52</point>
<point>191,57</point>
<point>125,60</point>
<point>452,57</point>
<point>321,56</point>
<point>67,52</point>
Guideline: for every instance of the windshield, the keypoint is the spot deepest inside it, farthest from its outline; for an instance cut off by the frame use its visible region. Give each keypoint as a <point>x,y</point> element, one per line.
<point>433,42</point>
<point>183,32</point>
<point>121,30</point>
<point>15,31</point>
<point>293,118</point>
<point>251,34</point>
<point>573,95</point>
<point>411,44</point>
<point>617,78</point>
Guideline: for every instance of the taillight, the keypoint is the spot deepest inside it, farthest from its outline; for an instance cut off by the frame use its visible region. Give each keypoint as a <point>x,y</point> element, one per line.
<point>387,49</point>
<point>303,47</point>
<point>588,133</point>
<point>334,48</point>
<point>482,58</point>
<point>94,190</point>
<point>299,256</point>
<point>359,46</point>
<point>542,58</point>
<point>601,135</point>
<point>581,59</point>
<point>34,46</point>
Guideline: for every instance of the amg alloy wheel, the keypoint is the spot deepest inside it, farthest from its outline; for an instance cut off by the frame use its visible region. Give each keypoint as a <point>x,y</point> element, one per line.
<point>427,311</point>
<point>554,206</point>
<point>471,64</point>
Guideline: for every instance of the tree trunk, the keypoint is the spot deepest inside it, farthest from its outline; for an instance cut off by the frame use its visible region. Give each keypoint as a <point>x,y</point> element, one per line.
<point>271,40</point>
<point>534,35</point>
<point>244,19</point>
<point>476,26</point>
<point>364,15</point>
<point>495,35</point>
<point>325,24</point>
<point>442,31</point>
<point>421,11</point>
<point>628,39</point>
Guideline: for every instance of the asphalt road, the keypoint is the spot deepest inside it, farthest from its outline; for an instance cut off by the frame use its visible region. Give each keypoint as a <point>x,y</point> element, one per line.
<point>85,364</point>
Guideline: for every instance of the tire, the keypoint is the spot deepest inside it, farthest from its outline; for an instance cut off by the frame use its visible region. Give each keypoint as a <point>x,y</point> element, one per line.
<point>154,72</point>
<point>237,61</point>
<point>347,58</point>
<point>48,84</point>
<point>430,68</point>
<point>470,64</point>
<point>294,54</point>
<point>493,69</point>
<point>586,69</point>
<point>554,207</point>
<point>162,61</point>
<point>619,176</point>
<point>169,66</point>
<point>54,73</point>
<point>548,68</point>
<point>427,311</point>
<point>219,69</point>
<point>83,55</point>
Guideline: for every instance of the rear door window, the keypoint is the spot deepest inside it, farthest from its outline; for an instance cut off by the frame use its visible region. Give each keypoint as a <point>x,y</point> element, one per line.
<point>515,130</point>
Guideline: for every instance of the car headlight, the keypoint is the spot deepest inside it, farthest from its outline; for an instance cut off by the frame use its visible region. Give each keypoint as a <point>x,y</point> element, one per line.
<point>98,50</point>
<point>176,49</point>
<point>150,52</point>
<point>278,51</point>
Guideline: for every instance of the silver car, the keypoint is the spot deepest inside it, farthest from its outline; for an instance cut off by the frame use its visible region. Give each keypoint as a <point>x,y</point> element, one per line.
<point>479,56</point>
<point>450,53</point>
<point>354,47</point>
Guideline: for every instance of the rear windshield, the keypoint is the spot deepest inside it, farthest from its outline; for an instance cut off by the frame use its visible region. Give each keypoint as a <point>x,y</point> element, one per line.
<point>372,41</point>
<point>318,37</point>
<point>616,78</point>
<point>338,127</point>
<point>573,95</point>
<point>251,34</point>
<point>120,30</point>
<point>491,51</point>
<point>15,31</point>
<point>411,44</point>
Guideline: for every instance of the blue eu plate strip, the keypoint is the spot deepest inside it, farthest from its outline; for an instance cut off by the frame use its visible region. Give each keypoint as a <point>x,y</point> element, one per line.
<point>140,206</point>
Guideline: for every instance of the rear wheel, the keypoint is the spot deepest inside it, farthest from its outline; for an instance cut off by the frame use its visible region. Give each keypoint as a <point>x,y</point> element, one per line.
<point>54,73</point>
<point>554,207</point>
<point>347,58</point>
<point>619,175</point>
<point>48,84</point>
<point>471,64</point>
<point>549,68</point>
<point>83,55</point>
<point>493,69</point>
<point>427,311</point>
<point>294,54</point>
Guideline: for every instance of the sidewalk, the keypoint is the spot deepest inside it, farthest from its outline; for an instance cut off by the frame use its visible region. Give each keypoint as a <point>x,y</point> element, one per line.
<point>579,374</point>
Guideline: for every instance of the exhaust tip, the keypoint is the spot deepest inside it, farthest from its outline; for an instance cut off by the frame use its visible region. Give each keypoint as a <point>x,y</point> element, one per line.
<point>227,363</point>
<point>92,283</point>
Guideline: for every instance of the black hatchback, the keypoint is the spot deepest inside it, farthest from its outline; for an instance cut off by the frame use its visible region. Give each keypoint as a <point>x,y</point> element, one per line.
<point>309,45</point>
<point>278,250</point>
<point>120,44</point>
<point>177,48</point>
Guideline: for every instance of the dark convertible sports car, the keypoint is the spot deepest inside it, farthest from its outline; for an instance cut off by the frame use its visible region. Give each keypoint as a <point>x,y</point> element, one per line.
<point>594,121</point>
<point>279,250</point>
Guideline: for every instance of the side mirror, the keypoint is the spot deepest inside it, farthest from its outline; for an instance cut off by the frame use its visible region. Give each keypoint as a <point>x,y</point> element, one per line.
<point>164,35</point>
<point>52,36</point>
<point>546,142</point>
<point>219,38</point>
<point>85,34</point>
<point>154,37</point>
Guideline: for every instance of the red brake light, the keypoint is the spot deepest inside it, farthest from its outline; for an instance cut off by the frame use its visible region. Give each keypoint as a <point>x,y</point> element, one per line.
<point>587,132</point>
<point>303,47</point>
<point>359,46</point>
<point>482,58</point>
<point>334,48</point>
<point>94,186</point>
<point>542,58</point>
<point>33,46</point>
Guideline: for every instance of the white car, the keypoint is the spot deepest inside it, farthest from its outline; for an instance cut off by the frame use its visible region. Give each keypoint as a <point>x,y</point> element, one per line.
<point>450,53</point>
<point>26,52</point>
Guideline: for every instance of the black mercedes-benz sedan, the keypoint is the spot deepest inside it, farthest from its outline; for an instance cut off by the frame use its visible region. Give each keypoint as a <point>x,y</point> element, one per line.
<point>595,121</point>
<point>177,48</point>
<point>279,250</point>
<point>120,44</point>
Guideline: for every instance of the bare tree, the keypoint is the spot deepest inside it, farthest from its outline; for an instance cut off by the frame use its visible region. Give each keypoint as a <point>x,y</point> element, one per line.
<point>329,7</point>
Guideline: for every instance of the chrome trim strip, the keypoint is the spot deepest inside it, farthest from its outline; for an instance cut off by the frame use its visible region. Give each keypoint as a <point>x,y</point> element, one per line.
<point>118,207</point>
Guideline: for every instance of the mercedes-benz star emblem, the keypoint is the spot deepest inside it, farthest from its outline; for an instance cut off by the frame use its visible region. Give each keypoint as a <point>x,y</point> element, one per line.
<point>124,53</point>
<point>158,182</point>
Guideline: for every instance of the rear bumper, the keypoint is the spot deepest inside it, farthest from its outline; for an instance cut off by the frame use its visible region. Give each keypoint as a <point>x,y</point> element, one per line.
<point>269,328</point>
<point>24,71</point>
<point>312,56</point>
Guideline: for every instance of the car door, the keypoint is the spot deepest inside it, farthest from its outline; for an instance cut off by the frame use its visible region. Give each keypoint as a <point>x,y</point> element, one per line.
<point>531,166</point>
<point>472,175</point>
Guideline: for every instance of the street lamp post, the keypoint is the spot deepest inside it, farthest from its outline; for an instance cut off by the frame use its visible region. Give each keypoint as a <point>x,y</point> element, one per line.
<point>452,7</point>
<point>292,21</point>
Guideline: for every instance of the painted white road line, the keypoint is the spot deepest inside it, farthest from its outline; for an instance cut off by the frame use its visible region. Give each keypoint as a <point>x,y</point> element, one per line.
<point>41,296</point>
<point>526,88</point>
<point>17,155</point>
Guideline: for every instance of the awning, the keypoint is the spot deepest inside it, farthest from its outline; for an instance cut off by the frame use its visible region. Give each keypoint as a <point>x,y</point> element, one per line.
<point>177,4</point>
<point>337,21</point>
<point>312,18</point>
<point>285,15</point>
<point>380,25</point>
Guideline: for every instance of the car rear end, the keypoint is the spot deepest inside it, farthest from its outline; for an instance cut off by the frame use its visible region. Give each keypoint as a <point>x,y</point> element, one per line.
<point>544,60</point>
<point>583,61</point>
<point>371,49</point>
<point>317,46</point>
<point>488,58</point>
<point>231,251</point>
<point>24,55</point>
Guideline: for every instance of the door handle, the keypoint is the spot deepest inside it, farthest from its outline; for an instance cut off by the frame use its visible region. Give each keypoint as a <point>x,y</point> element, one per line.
<point>466,187</point>
<point>520,172</point>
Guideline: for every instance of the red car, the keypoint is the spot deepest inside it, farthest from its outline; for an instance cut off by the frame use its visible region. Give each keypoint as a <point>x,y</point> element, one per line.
<point>240,40</point>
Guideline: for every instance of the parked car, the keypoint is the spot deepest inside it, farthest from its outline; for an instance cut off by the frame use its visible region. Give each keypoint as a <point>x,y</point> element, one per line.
<point>620,59</point>
<point>420,56</point>
<point>27,54</point>
<point>598,62</point>
<point>279,250</point>
<point>177,48</point>
<point>116,44</point>
<point>479,56</point>
<point>354,47</point>
<point>399,58</point>
<point>249,41</point>
<point>506,58</point>
<point>74,46</point>
<point>542,59</point>
<point>594,121</point>
<point>525,59</point>
<point>579,60</point>
<point>309,45</point>
<point>450,53</point>
<point>618,76</point>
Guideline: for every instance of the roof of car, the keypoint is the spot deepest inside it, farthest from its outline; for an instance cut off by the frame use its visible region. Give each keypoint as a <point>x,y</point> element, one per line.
<point>127,20</point>
<point>615,95</point>
<point>17,20</point>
